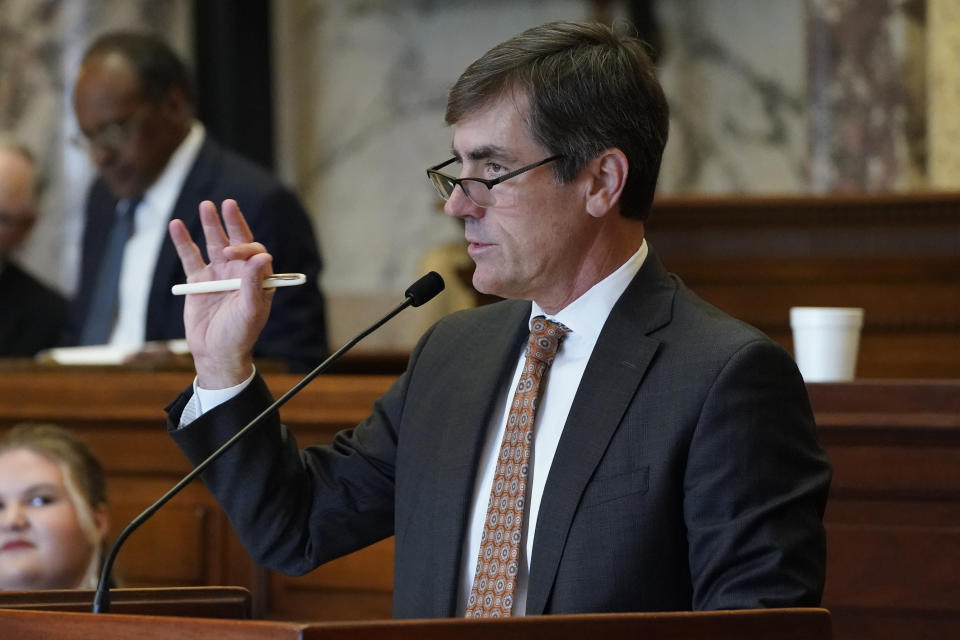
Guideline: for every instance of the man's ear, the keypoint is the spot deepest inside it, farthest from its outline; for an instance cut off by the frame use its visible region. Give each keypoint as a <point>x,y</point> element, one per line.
<point>608,175</point>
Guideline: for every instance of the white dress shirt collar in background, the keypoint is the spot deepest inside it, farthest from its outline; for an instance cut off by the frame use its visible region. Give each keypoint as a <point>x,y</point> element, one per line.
<point>149,233</point>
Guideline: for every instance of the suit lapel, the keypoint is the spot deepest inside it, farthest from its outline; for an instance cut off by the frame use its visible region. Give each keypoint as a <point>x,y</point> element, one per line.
<point>495,352</point>
<point>611,379</point>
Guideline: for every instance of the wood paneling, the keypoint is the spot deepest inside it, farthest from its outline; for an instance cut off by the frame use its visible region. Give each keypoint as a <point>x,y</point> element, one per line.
<point>897,256</point>
<point>893,518</point>
<point>190,542</point>
<point>356,587</point>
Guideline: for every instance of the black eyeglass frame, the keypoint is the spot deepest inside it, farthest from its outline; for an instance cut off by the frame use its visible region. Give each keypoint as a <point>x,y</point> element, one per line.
<point>489,184</point>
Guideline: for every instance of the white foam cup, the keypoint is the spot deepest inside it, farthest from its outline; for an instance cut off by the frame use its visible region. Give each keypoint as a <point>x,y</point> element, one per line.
<point>825,341</point>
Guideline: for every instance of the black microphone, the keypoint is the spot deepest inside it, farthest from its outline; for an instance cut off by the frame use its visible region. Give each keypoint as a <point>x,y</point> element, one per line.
<point>424,289</point>
<point>420,292</point>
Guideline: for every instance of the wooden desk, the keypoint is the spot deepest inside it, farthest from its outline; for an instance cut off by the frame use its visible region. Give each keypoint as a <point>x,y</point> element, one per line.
<point>893,519</point>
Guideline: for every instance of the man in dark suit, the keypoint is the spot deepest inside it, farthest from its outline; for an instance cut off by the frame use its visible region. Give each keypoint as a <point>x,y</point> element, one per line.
<point>33,314</point>
<point>134,104</point>
<point>666,459</point>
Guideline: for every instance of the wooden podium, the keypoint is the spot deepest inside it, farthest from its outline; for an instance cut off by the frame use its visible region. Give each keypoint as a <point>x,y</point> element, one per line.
<point>760,624</point>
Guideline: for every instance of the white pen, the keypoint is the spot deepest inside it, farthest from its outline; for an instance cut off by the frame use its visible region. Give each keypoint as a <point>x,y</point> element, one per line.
<point>232,284</point>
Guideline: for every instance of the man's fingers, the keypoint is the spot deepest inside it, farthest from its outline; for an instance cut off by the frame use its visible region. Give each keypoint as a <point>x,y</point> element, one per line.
<point>257,268</point>
<point>187,249</point>
<point>237,229</point>
<point>243,251</point>
<point>220,248</point>
<point>213,231</point>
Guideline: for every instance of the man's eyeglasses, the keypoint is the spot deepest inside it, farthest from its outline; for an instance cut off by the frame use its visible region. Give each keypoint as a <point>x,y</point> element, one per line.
<point>113,135</point>
<point>479,190</point>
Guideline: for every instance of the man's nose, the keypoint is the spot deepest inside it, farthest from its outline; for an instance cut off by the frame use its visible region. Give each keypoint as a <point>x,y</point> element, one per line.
<point>458,205</point>
<point>101,154</point>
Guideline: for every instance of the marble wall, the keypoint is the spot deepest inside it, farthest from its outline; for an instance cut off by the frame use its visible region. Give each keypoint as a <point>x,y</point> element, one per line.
<point>736,81</point>
<point>867,95</point>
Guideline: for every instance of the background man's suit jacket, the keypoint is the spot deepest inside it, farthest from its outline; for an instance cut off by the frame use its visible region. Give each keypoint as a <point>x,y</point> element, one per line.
<point>688,475</point>
<point>33,314</point>
<point>296,330</point>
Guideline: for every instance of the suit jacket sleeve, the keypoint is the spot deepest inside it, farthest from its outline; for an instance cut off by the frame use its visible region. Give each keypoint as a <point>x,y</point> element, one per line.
<point>755,487</point>
<point>296,509</point>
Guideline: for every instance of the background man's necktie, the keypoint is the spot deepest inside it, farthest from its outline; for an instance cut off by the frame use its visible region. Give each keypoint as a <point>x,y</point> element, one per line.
<point>104,303</point>
<point>499,559</point>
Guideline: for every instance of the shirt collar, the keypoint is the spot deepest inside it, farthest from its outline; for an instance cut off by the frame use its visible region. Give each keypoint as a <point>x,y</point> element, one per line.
<point>586,315</point>
<point>162,194</point>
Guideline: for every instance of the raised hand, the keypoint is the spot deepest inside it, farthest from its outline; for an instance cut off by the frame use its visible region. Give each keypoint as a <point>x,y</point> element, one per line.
<point>222,328</point>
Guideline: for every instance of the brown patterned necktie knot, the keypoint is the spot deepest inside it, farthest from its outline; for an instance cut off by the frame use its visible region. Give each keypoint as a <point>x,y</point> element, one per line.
<point>499,559</point>
<point>545,338</point>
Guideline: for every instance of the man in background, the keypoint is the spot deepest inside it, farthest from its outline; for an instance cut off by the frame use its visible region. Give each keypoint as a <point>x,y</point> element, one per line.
<point>33,314</point>
<point>134,104</point>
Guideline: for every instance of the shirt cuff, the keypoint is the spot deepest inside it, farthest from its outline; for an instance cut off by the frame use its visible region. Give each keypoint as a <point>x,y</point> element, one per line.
<point>204,400</point>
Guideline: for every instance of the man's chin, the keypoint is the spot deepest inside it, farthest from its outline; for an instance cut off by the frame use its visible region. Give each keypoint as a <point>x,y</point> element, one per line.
<point>487,284</point>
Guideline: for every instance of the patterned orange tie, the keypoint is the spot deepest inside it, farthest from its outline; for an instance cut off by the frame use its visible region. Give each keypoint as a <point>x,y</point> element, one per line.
<point>499,557</point>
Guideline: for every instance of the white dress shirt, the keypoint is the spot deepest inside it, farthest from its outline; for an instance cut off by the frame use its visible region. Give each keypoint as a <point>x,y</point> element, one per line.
<point>143,248</point>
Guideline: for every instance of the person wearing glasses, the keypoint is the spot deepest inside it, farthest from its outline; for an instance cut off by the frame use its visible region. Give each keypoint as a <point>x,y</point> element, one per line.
<point>33,314</point>
<point>134,105</point>
<point>601,441</point>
